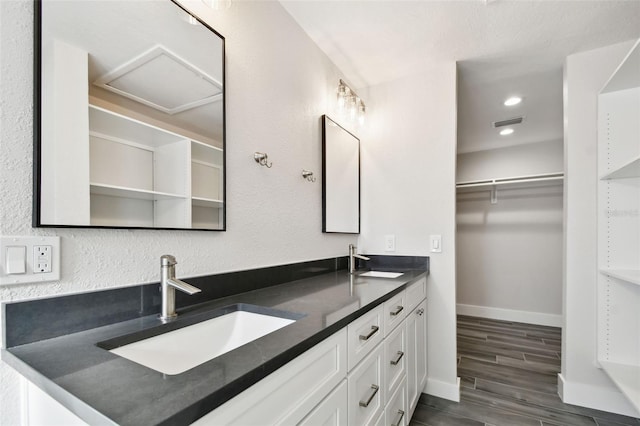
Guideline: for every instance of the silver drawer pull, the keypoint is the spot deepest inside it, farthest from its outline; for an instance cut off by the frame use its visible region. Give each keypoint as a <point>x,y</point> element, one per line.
<point>397,360</point>
<point>400,416</point>
<point>397,311</point>
<point>374,330</point>
<point>374,391</point>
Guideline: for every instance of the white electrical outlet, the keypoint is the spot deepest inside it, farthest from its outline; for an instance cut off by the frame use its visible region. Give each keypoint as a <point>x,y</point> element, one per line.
<point>389,243</point>
<point>29,259</point>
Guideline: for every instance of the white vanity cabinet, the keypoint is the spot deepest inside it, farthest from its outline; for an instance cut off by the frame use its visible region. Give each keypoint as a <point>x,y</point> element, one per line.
<point>619,227</point>
<point>361,375</point>
<point>141,175</point>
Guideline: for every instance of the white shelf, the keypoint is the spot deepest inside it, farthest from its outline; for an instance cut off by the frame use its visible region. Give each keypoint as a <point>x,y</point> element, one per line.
<point>518,182</point>
<point>629,275</point>
<point>206,202</point>
<point>626,75</point>
<point>627,378</point>
<point>628,170</point>
<point>139,194</point>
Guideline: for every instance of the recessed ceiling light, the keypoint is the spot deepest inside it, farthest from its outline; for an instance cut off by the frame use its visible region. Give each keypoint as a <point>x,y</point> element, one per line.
<point>514,100</point>
<point>505,132</point>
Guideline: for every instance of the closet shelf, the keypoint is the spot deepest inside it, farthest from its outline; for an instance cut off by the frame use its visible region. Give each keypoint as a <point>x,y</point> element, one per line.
<point>124,192</point>
<point>629,275</point>
<point>628,170</point>
<point>627,378</point>
<point>518,182</point>
<point>206,202</point>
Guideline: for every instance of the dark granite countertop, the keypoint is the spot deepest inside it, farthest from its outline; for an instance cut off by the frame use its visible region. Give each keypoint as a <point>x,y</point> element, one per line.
<point>103,388</point>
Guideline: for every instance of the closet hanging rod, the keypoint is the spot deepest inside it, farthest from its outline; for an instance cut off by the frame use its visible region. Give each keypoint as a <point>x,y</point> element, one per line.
<point>518,179</point>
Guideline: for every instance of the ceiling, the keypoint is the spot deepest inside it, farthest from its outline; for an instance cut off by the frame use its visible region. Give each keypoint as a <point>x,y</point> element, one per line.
<point>502,48</point>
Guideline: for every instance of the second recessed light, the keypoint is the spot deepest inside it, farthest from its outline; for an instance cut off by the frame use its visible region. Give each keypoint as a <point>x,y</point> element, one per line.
<point>514,100</point>
<point>505,132</point>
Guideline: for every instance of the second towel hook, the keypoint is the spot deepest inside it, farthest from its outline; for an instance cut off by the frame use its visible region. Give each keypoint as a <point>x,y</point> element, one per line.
<point>308,175</point>
<point>262,159</point>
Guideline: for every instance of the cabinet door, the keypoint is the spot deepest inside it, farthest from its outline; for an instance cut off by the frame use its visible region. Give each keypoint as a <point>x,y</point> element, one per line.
<point>332,411</point>
<point>416,326</point>
<point>290,393</point>
<point>366,389</point>
<point>421,347</point>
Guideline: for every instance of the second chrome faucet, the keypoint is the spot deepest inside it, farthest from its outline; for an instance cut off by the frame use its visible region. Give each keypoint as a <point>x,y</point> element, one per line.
<point>352,258</point>
<point>168,285</point>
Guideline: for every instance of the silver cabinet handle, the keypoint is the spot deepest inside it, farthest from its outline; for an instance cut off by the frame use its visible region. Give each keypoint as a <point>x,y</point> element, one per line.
<point>397,360</point>
<point>397,311</point>
<point>374,330</point>
<point>374,391</point>
<point>400,416</point>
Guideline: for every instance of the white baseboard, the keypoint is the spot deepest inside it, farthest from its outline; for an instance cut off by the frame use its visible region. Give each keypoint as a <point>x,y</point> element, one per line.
<point>443,389</point>
<point>528,317</point>
<point>595,397</point>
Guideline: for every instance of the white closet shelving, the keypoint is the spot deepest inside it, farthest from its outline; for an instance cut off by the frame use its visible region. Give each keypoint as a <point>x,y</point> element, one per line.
<point>141,175</point>
<point>619,227</point>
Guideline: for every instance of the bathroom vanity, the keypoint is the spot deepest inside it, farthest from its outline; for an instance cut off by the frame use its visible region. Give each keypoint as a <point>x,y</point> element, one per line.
<point>354,354</point>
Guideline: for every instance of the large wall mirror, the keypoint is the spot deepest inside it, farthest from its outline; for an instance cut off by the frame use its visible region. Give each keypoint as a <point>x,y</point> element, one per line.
<point>340,179</point>
<point>130,116</point>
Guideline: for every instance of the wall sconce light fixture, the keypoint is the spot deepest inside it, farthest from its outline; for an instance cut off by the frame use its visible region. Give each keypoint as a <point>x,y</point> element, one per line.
<point>350,102</point>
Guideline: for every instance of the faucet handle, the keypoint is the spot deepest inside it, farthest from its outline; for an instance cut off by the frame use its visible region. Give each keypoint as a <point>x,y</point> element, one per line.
<point>167,260</point>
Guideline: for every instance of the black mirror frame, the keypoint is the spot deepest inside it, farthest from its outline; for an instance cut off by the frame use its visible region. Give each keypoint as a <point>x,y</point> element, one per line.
<point>37,130</point>
<point>324,119</point>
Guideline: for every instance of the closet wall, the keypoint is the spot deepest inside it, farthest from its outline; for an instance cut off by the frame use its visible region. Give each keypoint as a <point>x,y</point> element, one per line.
<point>509,254</point>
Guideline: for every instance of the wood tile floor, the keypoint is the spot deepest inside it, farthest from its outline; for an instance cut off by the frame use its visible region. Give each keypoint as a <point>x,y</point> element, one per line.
<point>508,374</point>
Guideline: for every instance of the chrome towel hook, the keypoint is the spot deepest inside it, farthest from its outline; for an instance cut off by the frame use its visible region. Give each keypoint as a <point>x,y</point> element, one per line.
<point>308,175</point>
<point>261,158</point>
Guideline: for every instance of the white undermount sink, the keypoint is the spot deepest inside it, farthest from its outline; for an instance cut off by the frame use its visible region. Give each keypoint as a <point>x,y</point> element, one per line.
<point>381,274</point>
<point>180,350</point>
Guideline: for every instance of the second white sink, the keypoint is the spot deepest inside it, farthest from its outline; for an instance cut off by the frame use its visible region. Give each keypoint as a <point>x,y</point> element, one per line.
<point>180,350</point>
<point>381,274</point>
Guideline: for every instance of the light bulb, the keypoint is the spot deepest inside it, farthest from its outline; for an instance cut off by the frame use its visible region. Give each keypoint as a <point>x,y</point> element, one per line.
<point>505,132</point>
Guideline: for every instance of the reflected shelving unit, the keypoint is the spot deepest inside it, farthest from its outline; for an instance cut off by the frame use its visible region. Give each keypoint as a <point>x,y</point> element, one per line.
<point>142,175</point>
<point>619,227</point>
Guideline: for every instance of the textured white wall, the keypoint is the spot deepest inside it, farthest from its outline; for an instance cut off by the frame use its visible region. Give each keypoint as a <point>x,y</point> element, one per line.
<point>582,383</point>
<point>278,85</point>
<point>408,189</point>
<point>513,161</point>
<point>509,254</point>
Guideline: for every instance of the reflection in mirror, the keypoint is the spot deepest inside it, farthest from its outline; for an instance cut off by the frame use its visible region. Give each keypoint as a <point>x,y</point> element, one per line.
<point>130,130</point>
<point>340,179</point>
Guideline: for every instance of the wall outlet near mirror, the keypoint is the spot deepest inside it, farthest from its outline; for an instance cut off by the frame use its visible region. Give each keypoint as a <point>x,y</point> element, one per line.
<point>29,259</point>
<point>389,243</point>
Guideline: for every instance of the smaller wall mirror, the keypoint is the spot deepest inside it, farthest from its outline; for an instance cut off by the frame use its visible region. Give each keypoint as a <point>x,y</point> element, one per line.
<point>340,179</point>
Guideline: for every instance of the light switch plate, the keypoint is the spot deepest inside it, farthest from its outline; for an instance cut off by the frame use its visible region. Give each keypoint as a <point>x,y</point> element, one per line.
<point>42,260</point>
<point>436,243</point>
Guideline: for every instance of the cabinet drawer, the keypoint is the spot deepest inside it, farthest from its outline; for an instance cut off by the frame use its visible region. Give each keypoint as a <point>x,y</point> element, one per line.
<point>395,360</point>
<point>288,394</point>
<point>415,293</point>
<point>363,335</point>
<point>395,311</point>
<point>332,411</point>
<point>366,389</point>
<point>396,410</point>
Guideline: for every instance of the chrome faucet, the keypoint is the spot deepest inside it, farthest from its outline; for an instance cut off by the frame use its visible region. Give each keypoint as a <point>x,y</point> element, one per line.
<point>168,285</point>
<point>352,258</point>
